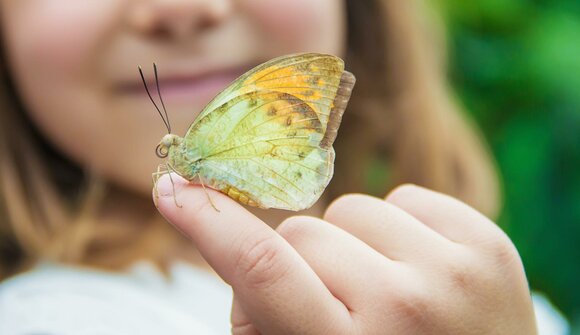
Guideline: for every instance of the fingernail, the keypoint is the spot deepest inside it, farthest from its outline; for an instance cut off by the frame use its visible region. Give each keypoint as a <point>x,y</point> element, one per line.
<point>166,185</point>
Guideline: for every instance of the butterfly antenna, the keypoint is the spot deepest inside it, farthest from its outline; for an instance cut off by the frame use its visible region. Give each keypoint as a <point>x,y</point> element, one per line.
<point>160,97</point>
<point>153,101</point>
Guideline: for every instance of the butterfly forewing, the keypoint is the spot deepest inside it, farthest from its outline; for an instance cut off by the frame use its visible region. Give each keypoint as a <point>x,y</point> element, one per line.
<point>311,77</point>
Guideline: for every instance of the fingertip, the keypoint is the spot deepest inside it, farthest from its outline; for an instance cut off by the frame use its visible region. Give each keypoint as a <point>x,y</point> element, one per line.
<point>345,203</point>
<point>189,206</point>
<point>173,195</point>
<point>169,183</point>
<point>403,192</point>
<point>408,194</point>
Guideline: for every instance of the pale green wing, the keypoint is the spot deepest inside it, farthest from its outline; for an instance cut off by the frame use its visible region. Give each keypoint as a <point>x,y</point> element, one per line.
<point>272,155</point>
<point>272,146</point>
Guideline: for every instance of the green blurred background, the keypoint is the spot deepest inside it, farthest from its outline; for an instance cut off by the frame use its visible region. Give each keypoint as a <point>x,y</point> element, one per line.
<point>516,67</point>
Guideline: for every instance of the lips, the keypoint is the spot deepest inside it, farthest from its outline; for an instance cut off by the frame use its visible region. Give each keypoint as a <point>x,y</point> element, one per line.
<point>181,87</point>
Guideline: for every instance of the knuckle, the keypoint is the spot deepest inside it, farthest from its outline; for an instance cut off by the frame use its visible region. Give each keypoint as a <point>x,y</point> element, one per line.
<point>293,228</point>
<point>501,249</point>
<point>407,298</point>
<point>463,275</point>
<point>504,251</point>
<point>259,264</point>
<point>470,273</point>
<point>467,274</point>
<point>410,305</point>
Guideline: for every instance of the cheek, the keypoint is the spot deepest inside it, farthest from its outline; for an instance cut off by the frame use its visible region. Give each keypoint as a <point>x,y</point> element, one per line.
<point>54,49</point>
<point>306,25</point>
<point>56,35</point>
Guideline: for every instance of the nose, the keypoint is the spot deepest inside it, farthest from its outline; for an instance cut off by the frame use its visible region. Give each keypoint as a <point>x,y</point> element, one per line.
<point>177,18</point>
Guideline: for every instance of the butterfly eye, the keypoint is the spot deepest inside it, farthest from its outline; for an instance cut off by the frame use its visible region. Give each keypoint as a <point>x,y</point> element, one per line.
<point>161,150</point>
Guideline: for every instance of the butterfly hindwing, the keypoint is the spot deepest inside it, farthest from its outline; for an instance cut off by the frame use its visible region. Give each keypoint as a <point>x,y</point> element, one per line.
<point>271,152</point>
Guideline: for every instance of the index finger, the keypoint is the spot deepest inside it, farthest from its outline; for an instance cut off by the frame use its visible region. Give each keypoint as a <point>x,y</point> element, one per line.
<point>274,285</point>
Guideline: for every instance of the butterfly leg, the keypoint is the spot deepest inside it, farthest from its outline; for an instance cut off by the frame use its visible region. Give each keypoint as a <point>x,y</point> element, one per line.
<point>156,175</point>
<point>207,194</point>
<point>173,185</point>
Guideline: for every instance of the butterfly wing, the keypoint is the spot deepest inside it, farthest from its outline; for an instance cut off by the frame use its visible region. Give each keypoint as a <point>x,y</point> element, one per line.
<point>298,74</point>
<point>267,139</point>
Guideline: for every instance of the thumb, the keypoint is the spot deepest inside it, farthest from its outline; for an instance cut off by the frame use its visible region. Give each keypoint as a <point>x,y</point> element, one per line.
<point>275,286</point>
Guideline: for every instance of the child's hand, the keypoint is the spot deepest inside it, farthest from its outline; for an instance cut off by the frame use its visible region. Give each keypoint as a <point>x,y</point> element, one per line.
<point>418,263</point>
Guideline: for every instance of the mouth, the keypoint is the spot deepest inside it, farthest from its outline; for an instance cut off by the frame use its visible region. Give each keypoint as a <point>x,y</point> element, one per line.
<point>180,87</point>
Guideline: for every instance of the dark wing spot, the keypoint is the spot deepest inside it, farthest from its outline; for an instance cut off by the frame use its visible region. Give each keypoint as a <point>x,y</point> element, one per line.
<point>304,67</point>
<point>289,120</point>
<point>253,101</point>
<point>272,111</point>
<point>298,174</point>
<point>303,108</point>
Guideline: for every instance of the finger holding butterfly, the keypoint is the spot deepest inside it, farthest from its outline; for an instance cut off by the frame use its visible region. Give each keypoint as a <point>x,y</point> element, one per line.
<point>263,269</point>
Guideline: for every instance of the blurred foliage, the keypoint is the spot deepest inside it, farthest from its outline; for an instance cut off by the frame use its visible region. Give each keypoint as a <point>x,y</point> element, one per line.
<point>516,66</point>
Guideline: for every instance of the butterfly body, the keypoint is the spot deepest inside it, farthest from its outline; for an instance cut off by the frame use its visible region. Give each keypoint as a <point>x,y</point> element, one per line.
<point>266,140</point>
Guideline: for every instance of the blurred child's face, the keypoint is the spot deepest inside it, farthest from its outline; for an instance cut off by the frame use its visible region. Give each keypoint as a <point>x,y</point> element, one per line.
<point>75,65</point>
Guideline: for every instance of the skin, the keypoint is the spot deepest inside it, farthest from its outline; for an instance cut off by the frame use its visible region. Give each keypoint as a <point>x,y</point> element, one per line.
<point>416,263</point>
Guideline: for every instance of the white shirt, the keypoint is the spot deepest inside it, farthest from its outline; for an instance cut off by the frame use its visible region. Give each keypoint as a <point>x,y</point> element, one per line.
<point>59,300</point>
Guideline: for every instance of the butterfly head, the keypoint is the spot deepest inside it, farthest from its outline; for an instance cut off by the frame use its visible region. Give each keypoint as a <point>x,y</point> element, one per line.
<point>166,143</point>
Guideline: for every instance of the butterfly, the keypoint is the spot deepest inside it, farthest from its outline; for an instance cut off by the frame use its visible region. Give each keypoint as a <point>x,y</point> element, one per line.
<point>266,140</point>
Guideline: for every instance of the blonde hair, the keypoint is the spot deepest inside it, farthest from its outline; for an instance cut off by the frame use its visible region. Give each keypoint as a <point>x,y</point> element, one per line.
<point>414,131</point>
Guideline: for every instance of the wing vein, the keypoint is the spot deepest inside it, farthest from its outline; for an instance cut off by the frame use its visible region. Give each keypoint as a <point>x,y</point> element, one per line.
<point>253,184</point>
<point>285,66</point>
<point>254,127</point>
<point>305,74</point>
<point>273,158</point>
<point>278,174</point>
<point>257,141</point>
